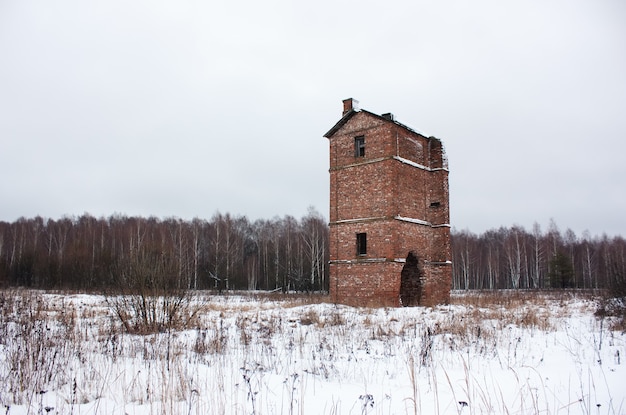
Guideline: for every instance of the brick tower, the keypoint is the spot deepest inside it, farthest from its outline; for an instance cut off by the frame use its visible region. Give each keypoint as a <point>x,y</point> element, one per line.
<point>389,213</point>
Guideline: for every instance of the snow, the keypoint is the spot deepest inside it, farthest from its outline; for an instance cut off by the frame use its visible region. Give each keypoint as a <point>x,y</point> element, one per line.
<point>534,353</point>
<point>419,166</point>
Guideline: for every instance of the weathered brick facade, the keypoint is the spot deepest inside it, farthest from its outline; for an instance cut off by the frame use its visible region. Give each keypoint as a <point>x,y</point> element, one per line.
<point>389,213</point>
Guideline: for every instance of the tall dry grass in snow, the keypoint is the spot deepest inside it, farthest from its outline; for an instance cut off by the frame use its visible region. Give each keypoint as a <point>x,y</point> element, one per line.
<point>506,352</point>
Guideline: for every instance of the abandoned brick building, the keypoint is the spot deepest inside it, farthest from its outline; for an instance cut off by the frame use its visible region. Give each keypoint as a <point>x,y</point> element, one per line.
<point>389,213</point>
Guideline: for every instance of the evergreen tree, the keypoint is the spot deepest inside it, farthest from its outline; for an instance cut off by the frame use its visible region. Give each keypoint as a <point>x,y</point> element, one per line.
<point>561,272</point>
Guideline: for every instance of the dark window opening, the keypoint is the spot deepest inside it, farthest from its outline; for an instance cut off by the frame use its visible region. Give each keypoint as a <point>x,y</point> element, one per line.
<point>435,204</point>
<point>359,146</point>
<point>361,244</point>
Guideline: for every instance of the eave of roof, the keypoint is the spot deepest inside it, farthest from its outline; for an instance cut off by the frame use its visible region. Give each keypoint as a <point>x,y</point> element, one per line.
<point>351,113</point>
<point>340,123</point>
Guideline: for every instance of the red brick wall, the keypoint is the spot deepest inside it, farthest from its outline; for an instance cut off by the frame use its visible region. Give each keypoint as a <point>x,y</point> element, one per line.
<point>366,284</point>
<point>403,174</point>
<point>364,191</point>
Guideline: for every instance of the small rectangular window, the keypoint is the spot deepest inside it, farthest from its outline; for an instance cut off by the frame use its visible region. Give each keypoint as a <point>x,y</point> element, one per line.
<point>361,244</point>
<point>359,146</point>
<point>435,204</point>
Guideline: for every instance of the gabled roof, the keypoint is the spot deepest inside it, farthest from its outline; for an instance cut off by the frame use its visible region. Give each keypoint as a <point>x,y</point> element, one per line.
<point>353,112</point>
<point>340,123</point>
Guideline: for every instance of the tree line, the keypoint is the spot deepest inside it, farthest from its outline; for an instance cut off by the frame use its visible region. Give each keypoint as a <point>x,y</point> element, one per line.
<point>511,258</point>
<point>223,253</point>
<point>231,252</point>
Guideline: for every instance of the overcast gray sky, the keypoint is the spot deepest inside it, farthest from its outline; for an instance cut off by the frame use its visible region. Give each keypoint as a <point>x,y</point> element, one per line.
<point>184,108</point>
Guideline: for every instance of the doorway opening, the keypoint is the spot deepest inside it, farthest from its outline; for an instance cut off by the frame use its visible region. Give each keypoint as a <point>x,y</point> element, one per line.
<point>411,281</point>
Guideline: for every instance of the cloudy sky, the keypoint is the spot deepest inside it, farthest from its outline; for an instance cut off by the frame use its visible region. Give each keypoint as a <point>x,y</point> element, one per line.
<point>185,108</point>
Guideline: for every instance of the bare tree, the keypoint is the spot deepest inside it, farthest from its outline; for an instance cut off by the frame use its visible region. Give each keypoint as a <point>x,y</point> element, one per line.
<point>314,237</point>
<point>513,252</point>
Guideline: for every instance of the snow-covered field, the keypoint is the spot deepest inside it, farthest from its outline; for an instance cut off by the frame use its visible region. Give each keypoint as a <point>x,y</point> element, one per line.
<point>505,353</point>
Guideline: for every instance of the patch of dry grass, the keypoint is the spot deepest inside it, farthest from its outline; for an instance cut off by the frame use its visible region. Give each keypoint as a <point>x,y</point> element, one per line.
<point>53,329</point>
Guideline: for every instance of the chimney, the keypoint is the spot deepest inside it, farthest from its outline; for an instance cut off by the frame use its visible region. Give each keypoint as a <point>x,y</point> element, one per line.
<point>389,116</point>
<point>350,105</point>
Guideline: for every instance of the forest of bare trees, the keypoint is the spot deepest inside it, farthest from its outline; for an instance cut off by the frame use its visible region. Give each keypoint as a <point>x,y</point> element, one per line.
<point>515,258</point>
<point>227,252</point>
<point>223,253</point>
